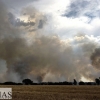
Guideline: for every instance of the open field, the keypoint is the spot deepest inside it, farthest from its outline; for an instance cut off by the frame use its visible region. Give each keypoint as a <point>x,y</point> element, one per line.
<point>42,92</point>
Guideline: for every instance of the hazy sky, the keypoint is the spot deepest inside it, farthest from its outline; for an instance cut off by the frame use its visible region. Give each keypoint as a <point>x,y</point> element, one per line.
<point>65,17</point>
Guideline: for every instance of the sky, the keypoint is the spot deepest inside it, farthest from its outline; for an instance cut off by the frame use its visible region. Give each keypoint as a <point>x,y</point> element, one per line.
<point>71,28</point>
<point>65,18</point>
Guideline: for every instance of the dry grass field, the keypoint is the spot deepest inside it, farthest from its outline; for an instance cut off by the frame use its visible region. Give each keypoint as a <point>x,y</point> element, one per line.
<point>43,92</point>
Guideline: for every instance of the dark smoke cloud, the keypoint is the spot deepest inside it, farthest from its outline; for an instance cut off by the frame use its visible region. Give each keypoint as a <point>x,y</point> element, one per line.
<point>32,19</point>
<point>95,58</point>
<point>38,56</point>
<point>33,15</point>
<point>18,22</point>
<point>41,24</point>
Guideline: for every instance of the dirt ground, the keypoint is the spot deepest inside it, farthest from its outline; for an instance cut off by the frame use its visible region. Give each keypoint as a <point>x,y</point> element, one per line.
<point>46,92</point>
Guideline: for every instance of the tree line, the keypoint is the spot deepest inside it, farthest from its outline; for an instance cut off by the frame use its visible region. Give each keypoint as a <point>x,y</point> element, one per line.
<point>30,82</point>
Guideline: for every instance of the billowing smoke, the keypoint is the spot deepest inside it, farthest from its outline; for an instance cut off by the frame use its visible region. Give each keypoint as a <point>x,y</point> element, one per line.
<point>95,57</point>
<point>26,52</point>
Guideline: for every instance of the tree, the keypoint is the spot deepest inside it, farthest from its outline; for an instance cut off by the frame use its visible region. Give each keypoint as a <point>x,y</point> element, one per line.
<point>27,82</point>
<point>97,81</point>
<point>81,83</point>
<point>75,82</point>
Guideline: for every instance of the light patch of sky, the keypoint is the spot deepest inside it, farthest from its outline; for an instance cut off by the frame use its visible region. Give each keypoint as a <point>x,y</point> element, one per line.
<point>63,26</point>
<point>85,79</point>
<point>51,6</point>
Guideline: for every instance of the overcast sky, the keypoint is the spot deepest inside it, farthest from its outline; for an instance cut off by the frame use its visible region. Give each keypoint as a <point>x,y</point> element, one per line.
<point>65,17</point>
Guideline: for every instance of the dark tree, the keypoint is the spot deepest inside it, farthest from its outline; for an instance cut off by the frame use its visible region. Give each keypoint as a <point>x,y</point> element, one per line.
<point>19,84</point>
<point>27,82</point>
<point>75,82</point>
<point>81,83</point>
<point>97,81</point>
<point>9,83</point>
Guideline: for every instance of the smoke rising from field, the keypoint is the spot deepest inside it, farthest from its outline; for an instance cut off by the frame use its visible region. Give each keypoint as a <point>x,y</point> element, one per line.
<point>95,57</point>
<point>26,52</point>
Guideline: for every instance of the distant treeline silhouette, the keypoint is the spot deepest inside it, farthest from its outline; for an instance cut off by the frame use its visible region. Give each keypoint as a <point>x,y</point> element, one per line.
<point>30,82</point>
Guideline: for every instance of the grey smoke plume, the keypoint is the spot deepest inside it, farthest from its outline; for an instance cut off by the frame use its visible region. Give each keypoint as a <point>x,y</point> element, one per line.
<point>95,57</point>
<point>29,54</point>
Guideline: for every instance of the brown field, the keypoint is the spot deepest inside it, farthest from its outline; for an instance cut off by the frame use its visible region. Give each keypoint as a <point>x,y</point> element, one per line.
<point>55,92</point>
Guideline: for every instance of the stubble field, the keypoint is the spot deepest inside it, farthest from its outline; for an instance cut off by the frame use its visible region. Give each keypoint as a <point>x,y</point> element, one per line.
<point>46,92</point>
